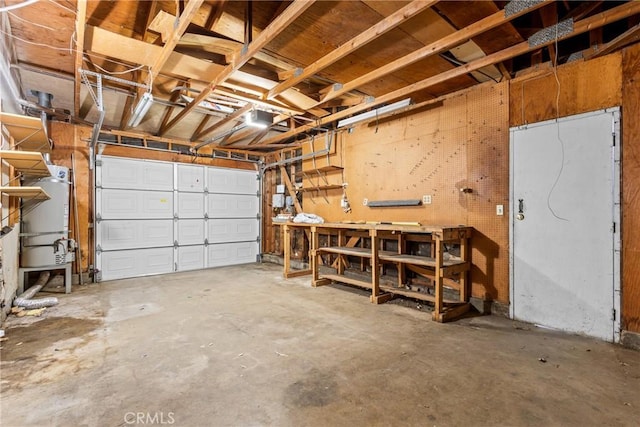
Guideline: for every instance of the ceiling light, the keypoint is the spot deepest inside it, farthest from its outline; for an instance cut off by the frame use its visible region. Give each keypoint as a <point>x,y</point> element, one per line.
<point>373,113</point>
<point>259,119</point>
<point>141,109</point>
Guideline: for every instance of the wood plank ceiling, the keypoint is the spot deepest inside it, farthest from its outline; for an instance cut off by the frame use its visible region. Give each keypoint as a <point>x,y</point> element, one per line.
<point>308,63</point>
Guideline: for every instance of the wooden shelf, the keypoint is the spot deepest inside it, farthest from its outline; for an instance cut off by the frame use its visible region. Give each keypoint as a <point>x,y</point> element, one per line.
<point>416,295</point>
<point>26,131</point>
<point>417,260</point>
<point>347,280</point>
<point>34,193</point>
<point>330,168</point>
<point>343,250</point>
<point>26,162</point>
<point>321,188</point>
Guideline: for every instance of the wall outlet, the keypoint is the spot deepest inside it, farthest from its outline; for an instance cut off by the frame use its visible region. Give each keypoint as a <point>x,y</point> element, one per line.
<point>426,200</point>
<point>499,210</point>
<point>365,202</point>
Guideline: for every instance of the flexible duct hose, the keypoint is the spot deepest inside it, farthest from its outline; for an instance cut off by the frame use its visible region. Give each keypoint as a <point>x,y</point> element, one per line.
<point>24,300</point>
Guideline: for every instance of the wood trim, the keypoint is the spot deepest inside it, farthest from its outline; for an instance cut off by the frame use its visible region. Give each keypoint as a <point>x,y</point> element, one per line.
<point>632,35</point>
<point>243,55</point>
<point>377,30</point>
<point>620,12</point>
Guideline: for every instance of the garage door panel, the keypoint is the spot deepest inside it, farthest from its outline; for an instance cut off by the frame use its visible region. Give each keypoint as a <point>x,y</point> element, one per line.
<point>231,254</point>
<point>136,262</point>
<point>133,204</point>
<point>127,234</point>
<point>191,232</point>
<point>230,181</point>
<point>232,230</point>
<point>135,174</point>
<point>191,205</point>
<point>190,178</point>
<point>232,206</point>
<point>190,257</point>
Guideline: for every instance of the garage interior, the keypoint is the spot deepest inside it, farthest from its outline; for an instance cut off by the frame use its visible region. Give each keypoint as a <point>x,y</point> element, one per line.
<point>320,212</point>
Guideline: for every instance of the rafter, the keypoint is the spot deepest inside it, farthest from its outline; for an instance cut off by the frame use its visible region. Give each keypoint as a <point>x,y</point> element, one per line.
<point>236,115</point>
<point>445,43</point>
<point>81,20</point>
<point>385,25</point>
<point>620,12</point>
<point>242,56</point>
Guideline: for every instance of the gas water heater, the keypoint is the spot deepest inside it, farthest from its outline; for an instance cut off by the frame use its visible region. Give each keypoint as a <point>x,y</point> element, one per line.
<point>45,224</point>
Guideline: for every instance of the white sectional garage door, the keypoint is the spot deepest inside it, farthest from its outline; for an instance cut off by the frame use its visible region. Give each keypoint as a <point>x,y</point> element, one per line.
<point>158,217</point>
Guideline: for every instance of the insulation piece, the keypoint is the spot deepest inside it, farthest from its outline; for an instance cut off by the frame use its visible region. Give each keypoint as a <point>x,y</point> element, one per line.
<point>517,6</point>
<point>575,56</point>
<point>392,203</point>
<point>551,33</point>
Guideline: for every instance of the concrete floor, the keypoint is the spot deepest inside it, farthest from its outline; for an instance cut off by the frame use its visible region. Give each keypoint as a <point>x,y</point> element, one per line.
<point>240,346</point>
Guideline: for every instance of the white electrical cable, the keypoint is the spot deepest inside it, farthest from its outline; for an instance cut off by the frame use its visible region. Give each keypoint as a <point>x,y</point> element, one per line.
<point>17,6</point>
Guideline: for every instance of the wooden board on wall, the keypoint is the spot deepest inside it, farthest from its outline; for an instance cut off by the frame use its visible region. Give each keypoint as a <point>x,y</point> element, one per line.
<point>584,86</point>
<point>462,144</point>
<point>631,189</point>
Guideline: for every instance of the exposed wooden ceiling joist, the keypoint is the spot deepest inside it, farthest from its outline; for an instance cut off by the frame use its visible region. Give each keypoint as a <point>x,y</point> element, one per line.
<point>355,43</point>
<point>620,12</point>
<point>81,19</point>
<point>279,24</point>
<point>445,43</point>
<point>236,115</point>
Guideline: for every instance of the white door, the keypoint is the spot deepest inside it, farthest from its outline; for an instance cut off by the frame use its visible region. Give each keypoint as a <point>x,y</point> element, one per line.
<point>564,215</point>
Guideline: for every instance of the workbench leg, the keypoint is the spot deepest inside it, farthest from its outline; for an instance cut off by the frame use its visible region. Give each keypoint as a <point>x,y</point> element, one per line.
<point>464,276</point>
<point>341,262</point>
<point>286,240</point>
<point>376,297</point>
<point>402,249</point>
<point>437,310</point>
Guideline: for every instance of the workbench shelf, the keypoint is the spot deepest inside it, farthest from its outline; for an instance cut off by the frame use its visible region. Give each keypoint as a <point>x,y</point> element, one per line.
<point>440,268</point>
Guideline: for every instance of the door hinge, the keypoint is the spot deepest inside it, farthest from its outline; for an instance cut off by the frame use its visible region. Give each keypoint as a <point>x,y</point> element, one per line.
<point>613,314</point>
<point>614,227</point>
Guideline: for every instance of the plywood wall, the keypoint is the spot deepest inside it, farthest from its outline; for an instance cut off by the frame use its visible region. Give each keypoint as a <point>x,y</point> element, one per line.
<point>631,189</point>
<point>70,139</point>
<point>581,86</point>
<point>462,144</point>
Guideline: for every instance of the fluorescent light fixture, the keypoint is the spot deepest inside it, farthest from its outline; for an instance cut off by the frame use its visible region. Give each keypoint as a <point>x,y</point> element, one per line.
<point>259,119</point>
<point>373,113</point>
<point>141,109</point>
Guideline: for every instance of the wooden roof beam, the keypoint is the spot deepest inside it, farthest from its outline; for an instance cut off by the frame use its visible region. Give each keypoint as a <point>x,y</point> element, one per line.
<point>235,116</point>
<point>243,55</point>
<point>443,44</point>
<point>385,25</point>
<point>615,14</point>
<point>81,20</point>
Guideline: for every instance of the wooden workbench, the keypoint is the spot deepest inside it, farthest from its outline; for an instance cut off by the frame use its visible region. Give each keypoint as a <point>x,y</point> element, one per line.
<point>437,267</point>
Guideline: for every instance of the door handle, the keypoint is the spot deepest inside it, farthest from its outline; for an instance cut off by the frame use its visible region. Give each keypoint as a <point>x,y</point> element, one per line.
<point>520,215</point>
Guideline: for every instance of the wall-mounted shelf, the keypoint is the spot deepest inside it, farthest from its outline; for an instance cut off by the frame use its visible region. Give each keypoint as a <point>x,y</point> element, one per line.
<point>322,187</point>
<point>33,193</point>
<point>29,163</point>
<point>27,132</point>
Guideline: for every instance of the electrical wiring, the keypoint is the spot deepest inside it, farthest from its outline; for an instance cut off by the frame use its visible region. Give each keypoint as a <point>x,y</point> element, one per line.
<point>555,183</point>
<point>116,73</point>
<point>34,43</point>
<point>63,7</point>
<point>17,6</point>
<point>35,23</point>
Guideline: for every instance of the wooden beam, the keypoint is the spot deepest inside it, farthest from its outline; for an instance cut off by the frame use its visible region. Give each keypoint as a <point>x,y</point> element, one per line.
<point>169,110</point>
<point>236,115</point>
<point>549,17</point>
<point>205,121</point>
<point>81,20</point>
<point>243,55</point>
<point>443,44</point>
<point>178,30</point>
<point>214,15</point>
<point>385,25</point>
<point>632,35</point>
<point>620,12</point>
